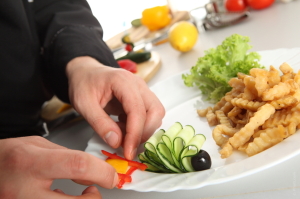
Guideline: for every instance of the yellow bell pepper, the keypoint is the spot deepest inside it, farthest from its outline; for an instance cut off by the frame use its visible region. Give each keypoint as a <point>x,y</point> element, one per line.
<point>121,166</point>
<point>156,18</point>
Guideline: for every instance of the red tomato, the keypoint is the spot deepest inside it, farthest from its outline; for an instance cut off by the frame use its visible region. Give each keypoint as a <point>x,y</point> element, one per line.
<point>128,47</point>
<point>129,65</point>
<point>259,4</point>
<point>235,5</point>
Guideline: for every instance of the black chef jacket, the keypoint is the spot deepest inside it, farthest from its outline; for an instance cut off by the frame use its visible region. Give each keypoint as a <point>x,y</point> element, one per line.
<point>37,39</point>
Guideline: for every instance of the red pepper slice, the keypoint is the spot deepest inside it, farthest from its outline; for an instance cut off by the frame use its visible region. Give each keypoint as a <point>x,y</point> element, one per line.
<point>127,64</point>
<point>134,165</point>
<point>131,170</point>
<point>125,177</point>
<point>139,165</point>
<point>121,183</point>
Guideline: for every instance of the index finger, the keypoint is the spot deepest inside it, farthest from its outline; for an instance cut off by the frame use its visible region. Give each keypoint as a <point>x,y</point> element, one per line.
<point>155,112</point>
<point>135,111</point>
<point>77,165</point>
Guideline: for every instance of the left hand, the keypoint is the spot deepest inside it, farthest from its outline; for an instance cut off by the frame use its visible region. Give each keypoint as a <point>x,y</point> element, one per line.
<point>97,90</point>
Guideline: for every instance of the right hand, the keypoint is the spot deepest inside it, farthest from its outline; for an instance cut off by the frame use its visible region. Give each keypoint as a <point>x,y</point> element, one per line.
<point>97,91</point>
<point>28,166</point>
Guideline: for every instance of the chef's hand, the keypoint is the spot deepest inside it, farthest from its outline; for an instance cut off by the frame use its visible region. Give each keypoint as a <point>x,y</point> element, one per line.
<point>96,91</point>
<point>28,166</point>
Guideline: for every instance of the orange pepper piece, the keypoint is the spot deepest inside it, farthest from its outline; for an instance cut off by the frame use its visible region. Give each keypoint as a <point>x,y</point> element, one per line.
<point>121,166</point>
<point>156,18</point>
<point>122,169</point>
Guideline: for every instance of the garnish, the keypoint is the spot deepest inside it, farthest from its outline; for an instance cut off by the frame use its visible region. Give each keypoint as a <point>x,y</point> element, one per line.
<point>123,167</point>
<point>213,71</point>
<point>171,151</point>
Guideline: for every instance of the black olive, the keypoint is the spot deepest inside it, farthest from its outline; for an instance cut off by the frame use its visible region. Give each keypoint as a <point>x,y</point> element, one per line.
<point>201,161</point>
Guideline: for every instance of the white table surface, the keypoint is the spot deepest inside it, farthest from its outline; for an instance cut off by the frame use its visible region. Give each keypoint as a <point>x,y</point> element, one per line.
<point>272,28</point>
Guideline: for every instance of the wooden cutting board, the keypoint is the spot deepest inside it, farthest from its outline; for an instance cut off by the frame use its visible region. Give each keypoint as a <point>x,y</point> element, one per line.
<point>147,70</point>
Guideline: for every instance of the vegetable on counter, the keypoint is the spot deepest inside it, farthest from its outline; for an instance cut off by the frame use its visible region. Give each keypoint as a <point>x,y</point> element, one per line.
<point>128,43</point>
<point>259,4</point>
<point>136,23</point>
<point>235,5</point>
<point>241,5</point>
<point>183,36</point>
<point>156,18</point>
<point>127,64</point>
<point>137,57</point>
<point>172,151</point>
<point>213,71</point>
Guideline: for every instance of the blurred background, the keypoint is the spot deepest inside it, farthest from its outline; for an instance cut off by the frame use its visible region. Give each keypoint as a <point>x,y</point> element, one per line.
<point>116,15</point>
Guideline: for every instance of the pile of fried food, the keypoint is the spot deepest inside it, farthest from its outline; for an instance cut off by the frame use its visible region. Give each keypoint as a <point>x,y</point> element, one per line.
<point>261,110</point>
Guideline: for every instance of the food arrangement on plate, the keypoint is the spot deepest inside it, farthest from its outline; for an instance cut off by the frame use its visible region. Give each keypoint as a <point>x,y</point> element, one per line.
<point>260,107</point>
<point>245,110</point>
<point>123,167</point>
<point>260,111</point>
<point>254,109</point>
<point>177,150</point>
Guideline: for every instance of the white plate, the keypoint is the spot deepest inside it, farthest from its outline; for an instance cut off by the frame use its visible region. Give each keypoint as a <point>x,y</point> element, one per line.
<point>181,103</point>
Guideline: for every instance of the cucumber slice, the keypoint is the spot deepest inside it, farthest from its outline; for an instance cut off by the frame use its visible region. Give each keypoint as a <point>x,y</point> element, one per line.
<point>171,151</point>
<point>152,168</point>
<point>153,157</point>
<point>144,159</point>
<point>153,141</point>
<point>166,157</point>
<point>192,148</point>
<point>170,134</point>
<point>184,136</point>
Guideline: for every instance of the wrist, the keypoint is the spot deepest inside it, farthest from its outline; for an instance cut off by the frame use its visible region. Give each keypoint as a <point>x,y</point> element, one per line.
<point>81,62</point>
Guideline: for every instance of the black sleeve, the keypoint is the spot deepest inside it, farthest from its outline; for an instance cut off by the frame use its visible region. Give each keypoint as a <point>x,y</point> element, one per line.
<point>68,29</point>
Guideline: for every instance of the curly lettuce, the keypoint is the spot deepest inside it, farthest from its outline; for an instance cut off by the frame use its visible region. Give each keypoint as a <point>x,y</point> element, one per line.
<point>213,71</point>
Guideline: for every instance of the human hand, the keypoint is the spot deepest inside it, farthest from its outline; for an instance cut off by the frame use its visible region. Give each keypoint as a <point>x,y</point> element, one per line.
<point>96,90</point>
<point>28,166</point>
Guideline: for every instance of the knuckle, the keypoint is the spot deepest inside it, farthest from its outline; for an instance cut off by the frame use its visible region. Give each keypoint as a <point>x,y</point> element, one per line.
<point>143,113</point>
<point>37,138</point>
<point>122,74</point>
<point>17,159</point>
<point>99,123</point>
<point>77,102</point>
<point>99,120</point>
<point>161,112</point>
<point>78,164</point>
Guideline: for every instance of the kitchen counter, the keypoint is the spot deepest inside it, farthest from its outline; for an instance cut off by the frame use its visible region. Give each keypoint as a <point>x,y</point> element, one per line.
<point>272,28</point>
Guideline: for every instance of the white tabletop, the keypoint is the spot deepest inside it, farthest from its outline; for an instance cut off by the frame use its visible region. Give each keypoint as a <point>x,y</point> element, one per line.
<point>272,28</point>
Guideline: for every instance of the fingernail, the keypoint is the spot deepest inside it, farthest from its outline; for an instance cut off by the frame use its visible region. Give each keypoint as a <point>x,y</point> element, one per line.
<point>112,138</point>
<point>116,180</point>
<point>133,154</point>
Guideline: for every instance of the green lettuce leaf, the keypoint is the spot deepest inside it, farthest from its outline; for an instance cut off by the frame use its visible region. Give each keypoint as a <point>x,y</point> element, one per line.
<point>213,71</point>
